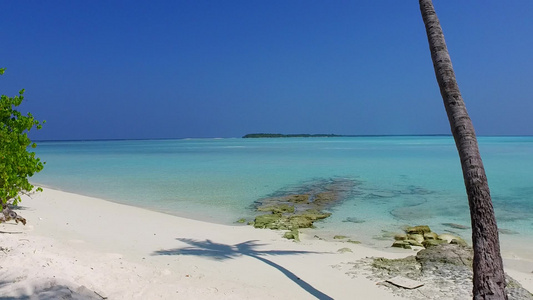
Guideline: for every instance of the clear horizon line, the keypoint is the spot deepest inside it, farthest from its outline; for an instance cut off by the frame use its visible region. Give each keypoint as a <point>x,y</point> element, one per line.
<point>240,137</point>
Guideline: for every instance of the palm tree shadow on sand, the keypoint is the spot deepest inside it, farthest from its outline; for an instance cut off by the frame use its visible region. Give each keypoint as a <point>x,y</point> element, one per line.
<point>220,251</point>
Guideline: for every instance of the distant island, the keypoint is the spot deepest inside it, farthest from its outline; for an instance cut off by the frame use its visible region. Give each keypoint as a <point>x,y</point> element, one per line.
<point>279,135</point>
<point>305,135</point>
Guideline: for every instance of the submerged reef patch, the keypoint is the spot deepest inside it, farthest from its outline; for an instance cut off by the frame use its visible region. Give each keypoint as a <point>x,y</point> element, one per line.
<point>300,206</point>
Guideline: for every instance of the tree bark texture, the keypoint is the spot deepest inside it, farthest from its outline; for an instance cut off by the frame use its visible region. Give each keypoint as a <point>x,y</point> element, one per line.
<point>489,280</point>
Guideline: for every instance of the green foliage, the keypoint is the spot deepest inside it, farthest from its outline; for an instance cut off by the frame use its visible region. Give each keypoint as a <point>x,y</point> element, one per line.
<point>17,163</point>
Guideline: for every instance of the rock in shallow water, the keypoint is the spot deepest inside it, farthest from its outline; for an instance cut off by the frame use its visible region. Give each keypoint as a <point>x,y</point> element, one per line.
<point>430,236</point>
<point>300,209</point>
<point>400,237</point>
<point>401,244</point>
<point>292,235</point>
<point>422,236</point>
<point>417,237</point>
<point>421,229</point>
<point>450,237</point>
<point>432,243</point>
<point>267,221</point>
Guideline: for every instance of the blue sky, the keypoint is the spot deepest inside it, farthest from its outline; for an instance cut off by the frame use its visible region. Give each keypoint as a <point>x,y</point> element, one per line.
<point>173,69</point>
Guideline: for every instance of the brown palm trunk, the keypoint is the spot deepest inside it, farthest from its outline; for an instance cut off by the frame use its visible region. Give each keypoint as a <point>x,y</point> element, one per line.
<point>489,280</point>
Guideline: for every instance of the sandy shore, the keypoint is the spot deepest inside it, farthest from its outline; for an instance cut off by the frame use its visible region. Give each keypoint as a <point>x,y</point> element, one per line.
<point>95,249</point>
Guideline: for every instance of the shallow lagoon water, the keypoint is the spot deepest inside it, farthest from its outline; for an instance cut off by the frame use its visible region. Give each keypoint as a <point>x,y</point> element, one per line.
<point>402,180</point>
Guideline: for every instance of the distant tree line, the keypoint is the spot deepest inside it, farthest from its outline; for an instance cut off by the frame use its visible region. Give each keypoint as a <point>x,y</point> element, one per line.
<point>279,135</point>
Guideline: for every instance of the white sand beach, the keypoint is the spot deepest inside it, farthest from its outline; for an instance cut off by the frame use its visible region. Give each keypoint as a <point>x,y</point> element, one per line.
<point>87,248</point>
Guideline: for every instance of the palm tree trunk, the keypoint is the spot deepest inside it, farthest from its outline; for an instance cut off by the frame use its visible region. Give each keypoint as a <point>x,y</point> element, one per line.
<point>489,280</point>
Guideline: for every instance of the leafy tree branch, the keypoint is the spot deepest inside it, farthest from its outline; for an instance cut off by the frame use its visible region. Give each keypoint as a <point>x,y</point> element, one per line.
<point>17,161</point>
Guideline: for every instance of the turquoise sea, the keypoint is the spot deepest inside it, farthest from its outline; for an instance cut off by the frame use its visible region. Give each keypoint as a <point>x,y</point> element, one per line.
<point>401,180</point>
